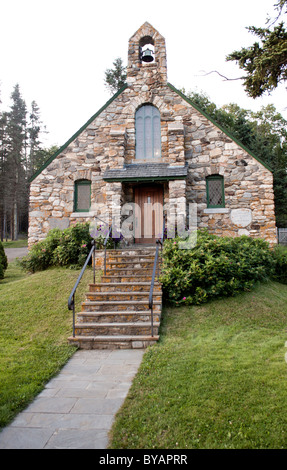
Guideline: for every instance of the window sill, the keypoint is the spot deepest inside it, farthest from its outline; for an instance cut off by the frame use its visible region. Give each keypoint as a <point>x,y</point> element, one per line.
<point>82,214</point>
<point>217,210</point>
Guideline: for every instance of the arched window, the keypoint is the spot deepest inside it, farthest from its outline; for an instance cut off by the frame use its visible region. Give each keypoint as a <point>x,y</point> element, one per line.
<point>82,196</point>
<point>148,135</point>
<point>215,191</point>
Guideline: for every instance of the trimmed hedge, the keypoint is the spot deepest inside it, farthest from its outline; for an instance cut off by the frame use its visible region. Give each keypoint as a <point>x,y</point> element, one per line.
<point>217,267</point>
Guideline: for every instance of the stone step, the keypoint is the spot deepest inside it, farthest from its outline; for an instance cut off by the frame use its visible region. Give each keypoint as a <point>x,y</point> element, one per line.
<point>124,287</point>
<point>126,279</point>
<point>112,329</point>
<point>114,342</point>
<point>132,258</point>
<point>122,305</point>
<point>129,264</point>
<point>116,316</point>
<point>116,313</point>
<point>122,296</point>
<point>129,271</point>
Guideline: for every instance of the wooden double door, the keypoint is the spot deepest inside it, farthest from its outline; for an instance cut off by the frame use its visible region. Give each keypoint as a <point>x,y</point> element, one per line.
<point>148,213</point>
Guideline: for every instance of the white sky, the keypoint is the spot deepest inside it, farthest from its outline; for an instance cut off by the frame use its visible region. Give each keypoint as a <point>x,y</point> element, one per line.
<point>58,51</point>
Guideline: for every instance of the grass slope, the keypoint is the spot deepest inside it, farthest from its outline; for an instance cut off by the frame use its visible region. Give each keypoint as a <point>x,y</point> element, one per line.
<point>217,379</point>
<point>35,323</point>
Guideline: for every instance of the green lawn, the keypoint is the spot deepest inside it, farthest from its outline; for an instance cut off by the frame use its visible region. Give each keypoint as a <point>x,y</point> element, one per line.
<point>35,323</point>
<point>22,242</point>
<point>217,379</point>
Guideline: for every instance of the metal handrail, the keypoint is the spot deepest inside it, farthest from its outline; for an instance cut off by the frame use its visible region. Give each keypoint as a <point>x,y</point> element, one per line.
<point>159,241</point>
<point>71,301</point>
<point>105,245</point>
<point>106,241</point>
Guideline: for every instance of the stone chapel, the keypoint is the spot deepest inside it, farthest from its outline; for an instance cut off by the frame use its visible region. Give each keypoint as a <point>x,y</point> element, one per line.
<point>149,146</point>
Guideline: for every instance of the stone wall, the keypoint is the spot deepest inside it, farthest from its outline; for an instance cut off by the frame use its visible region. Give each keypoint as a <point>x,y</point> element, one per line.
<point>187,137</point>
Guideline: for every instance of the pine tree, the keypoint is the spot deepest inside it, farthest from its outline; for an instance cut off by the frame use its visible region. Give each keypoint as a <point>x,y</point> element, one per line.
<point>3,174</point>
<point>15,178</point>
<point>21,154</point>
<point>115,78</point>
<point>265,62</point>
<point>34,143</point>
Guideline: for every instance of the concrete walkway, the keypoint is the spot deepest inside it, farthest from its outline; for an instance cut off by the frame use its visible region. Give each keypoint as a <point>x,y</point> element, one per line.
<point>77,407</point>
<point>13,253</point>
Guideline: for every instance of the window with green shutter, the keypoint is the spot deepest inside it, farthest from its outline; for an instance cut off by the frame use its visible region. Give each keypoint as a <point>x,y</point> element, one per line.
<point>215,191</point>
<point>82,196</point>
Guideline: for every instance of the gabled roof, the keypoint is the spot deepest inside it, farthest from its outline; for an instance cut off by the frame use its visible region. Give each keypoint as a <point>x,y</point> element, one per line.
<point>61,149</point>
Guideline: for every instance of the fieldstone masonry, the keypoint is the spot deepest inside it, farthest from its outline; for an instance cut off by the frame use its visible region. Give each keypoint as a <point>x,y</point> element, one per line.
<point>188,138</point>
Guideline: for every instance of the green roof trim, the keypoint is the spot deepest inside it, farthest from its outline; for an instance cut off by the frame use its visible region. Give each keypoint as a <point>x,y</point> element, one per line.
<point>144,179</point>
<point>219,126</point>
<point>61,149</point>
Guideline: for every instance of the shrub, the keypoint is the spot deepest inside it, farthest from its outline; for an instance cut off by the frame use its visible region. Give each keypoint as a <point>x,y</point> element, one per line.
<point>3,261</point>
<point>69,247</point>
<point>215,267</point>
<point>280,258</point>
<point>60,248</point>
<point>74,246</point>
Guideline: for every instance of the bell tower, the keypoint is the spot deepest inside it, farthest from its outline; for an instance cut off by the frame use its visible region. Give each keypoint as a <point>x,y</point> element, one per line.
<point>147,53</point>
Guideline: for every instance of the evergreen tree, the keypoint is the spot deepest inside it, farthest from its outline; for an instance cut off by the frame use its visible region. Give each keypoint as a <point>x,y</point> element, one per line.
<point>34,144</point>
<point>3,174</point>
<point>21,154</point>
<point>115,78</point>
<point>15,180</point>
<point>42,155</point>
<point>265,62</point>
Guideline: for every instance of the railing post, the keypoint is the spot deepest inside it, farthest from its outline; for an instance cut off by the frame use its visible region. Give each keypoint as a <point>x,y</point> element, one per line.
<point>105,261</point>
<point>94,261</point>
<point>155,266</point>
<point>73,315</point>
<point>105,245</point>
<point>71,301</point>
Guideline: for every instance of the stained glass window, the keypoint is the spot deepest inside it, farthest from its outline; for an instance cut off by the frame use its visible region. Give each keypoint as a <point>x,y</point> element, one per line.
<point>215,191</point>
<point>148,133</point>
<point>82,196</point>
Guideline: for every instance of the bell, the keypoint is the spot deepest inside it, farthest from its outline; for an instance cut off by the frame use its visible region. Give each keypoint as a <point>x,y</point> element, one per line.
<point>147,55</point>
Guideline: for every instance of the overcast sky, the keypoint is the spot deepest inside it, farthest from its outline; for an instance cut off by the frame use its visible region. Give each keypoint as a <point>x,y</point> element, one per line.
<point>58,51</point>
